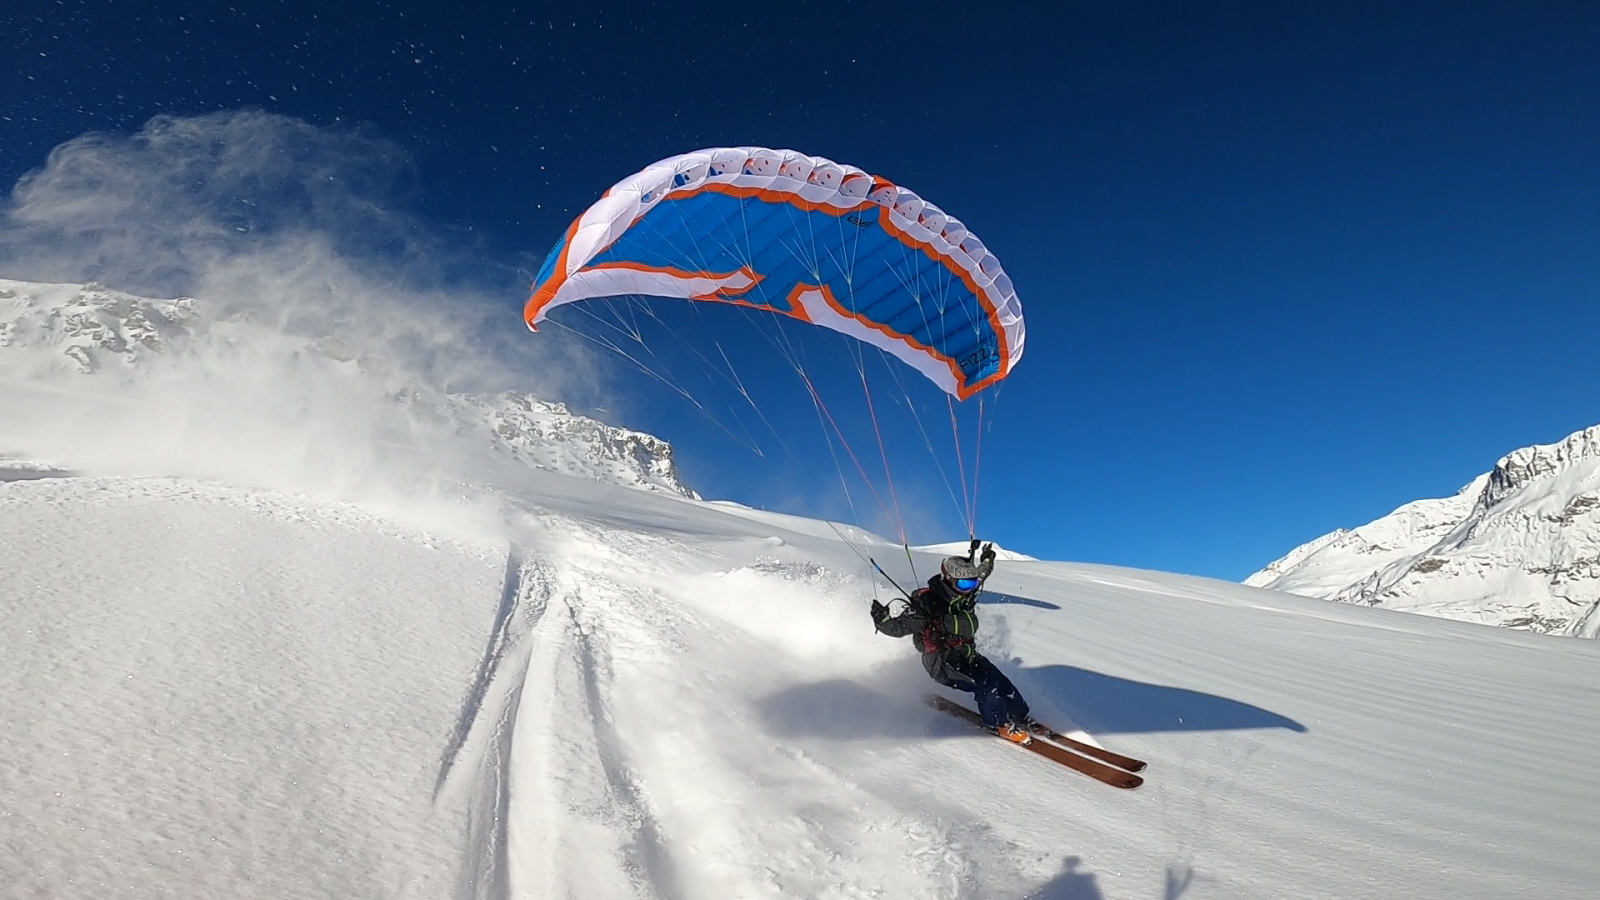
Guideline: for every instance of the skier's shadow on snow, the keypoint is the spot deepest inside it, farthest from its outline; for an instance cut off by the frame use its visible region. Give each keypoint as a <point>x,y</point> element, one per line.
<point>840,709</point>
<point>1070,884</point>
<point>1106,704</point>
<point>995,598</point>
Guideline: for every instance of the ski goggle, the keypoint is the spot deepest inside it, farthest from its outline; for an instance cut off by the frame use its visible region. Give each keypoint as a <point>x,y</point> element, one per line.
<point>967,585</point>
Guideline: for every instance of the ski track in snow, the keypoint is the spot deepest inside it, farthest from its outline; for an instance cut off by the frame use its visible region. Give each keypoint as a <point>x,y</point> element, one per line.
<point>645,854</point>
<point>485,727</point>
<point>472,708</point>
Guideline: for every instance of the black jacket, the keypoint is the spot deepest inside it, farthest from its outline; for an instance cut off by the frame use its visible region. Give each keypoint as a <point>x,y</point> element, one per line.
<point>941,623</point>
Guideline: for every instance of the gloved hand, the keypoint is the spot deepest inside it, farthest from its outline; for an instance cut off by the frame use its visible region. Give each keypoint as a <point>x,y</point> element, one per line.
<point>988,553</point>
<point>879,613</point>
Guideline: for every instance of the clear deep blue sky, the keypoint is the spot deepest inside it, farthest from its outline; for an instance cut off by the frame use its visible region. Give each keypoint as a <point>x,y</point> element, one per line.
<point>1285,265</point>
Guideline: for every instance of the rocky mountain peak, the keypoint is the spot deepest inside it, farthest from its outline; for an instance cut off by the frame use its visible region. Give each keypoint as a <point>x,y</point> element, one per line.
<point>92,330</point>
<point>1520,467</point>
<point>89,324</point>
<point>1518,547</point>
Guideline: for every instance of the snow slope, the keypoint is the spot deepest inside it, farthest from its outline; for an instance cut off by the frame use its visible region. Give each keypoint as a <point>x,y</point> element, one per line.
<point>212,692</point>
<point>285,617</point>
<point>1518,547</point>
<point>612,693</point>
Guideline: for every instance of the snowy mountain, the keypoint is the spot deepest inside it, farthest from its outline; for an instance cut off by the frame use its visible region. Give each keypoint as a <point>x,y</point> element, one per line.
<point>1518,547</point>
<point>50,330</point>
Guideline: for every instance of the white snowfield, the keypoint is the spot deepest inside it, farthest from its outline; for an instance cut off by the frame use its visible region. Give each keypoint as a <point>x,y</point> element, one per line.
<point>212,691</point>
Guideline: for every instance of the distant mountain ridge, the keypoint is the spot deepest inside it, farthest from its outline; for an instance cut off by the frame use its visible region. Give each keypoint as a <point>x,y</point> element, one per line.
<point>1518,547</point>
<point>961,548</point>
<point>92,330</point>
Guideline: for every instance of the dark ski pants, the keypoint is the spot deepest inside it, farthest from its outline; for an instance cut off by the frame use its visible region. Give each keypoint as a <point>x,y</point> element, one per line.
<point>999,701</point>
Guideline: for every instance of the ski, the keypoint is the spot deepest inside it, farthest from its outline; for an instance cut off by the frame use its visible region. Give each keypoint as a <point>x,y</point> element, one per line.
<point>1100,753</point>
<point>1093,768</point>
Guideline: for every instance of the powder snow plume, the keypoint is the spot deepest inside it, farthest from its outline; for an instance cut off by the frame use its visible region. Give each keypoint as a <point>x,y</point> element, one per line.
<point>307,312</point>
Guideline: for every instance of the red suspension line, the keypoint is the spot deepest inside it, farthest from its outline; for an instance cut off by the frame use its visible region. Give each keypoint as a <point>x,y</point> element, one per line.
<point>961,463</point>
<point>817,399</point>
<point>888,475</point>
<point>977,462</point>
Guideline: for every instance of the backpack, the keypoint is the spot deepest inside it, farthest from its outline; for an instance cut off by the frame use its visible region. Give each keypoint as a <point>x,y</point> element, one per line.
<point>933,638</point>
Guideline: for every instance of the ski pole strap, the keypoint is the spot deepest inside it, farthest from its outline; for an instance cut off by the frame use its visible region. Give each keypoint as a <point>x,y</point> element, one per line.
<point>909,561</point>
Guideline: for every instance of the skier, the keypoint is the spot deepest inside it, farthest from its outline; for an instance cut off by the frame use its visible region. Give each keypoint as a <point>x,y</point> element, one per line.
<point>942,622</point>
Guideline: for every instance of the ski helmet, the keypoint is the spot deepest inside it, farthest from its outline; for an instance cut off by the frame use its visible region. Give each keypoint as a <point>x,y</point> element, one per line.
<point>961,574</point>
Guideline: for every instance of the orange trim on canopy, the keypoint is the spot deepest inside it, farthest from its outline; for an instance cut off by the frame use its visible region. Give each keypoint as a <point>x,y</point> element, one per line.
<point>957,376</point>
<point>966,278</point>
<point>791,198</point>
<point>798,311</point>
<point>754,276</point>
<point>541,296</point>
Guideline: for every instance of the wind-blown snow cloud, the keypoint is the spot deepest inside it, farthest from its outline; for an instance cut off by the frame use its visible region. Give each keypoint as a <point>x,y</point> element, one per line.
<point>294,224</point>
<point>331,305</point>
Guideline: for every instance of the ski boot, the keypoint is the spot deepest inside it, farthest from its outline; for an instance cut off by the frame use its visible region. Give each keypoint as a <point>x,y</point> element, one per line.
<point>1014,733</point>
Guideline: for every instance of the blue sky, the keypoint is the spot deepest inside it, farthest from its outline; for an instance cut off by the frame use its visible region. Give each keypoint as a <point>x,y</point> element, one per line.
<point>1285,266</point>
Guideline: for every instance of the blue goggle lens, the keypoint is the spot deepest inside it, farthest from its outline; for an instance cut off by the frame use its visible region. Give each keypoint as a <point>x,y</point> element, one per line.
<point>966,584</point>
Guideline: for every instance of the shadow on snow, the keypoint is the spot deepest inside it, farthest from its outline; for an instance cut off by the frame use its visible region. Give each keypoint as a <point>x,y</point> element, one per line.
<point>1072,883</point>
<point>1106,704</point>
<point>1069,884</point>
<point>995,598</point>
<point>840,709</point>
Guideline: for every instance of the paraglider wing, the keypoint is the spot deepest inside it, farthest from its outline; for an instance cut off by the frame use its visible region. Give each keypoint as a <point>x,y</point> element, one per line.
<point>800,236</point>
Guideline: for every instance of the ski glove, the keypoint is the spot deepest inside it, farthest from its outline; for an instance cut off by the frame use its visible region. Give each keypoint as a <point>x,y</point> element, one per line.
<point>879,613</point>
<point>986,556</point>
